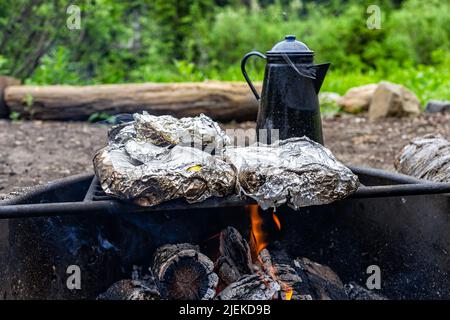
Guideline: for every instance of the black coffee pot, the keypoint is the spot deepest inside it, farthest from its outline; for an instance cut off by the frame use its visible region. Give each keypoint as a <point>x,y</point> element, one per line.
<point>289,100</point>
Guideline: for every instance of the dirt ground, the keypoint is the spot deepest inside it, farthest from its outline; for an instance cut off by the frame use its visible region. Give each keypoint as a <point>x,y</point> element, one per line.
<point>35,152</point>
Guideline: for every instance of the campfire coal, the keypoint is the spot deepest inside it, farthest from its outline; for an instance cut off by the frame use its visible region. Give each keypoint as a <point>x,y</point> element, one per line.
<point>182,272</point>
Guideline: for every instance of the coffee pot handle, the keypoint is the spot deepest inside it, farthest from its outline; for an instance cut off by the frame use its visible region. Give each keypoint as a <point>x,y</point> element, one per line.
<point>244,60</point>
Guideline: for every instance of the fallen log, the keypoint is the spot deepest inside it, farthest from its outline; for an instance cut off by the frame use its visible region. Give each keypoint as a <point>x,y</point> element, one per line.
<point>4,83</point>
<point>426,157</point>
<point>222,101</point>
<point>235,259</point>
<point>183,273</point>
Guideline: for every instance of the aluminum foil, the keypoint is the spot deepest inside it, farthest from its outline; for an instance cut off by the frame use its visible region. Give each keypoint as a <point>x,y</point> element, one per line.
<point>296,171</point>
<point>200,132</point>
<point>153,159</point>
<point>426,157</point>
<point>178,172</point>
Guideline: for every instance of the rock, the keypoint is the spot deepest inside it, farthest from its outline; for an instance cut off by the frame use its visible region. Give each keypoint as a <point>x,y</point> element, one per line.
<point>392,99</point>
<point>329,98</point>
<point>437,106</point>
<point>329,103</point>
<point>357,99</point>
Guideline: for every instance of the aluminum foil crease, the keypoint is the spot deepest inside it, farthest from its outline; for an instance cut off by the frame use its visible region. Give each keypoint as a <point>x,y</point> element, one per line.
<point>200,132</point>
<point>296,171</point>
<point>426,157</point>
<point>178,172</point>
<point>147,162</point>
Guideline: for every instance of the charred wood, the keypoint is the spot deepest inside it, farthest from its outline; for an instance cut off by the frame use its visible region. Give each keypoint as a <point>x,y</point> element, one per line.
<point>235,258</point>
<point>320,280</point>
<point>300,279</point>
<point>128,289</point>
<point>250,287</point>
<point>183,273</point>
<point>356,292</point>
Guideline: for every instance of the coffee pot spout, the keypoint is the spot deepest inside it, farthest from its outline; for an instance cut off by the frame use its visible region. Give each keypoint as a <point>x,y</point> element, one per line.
<point>321,72</point>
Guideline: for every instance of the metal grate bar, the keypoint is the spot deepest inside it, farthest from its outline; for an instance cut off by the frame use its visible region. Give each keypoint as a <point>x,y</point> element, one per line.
<point>95,192</point>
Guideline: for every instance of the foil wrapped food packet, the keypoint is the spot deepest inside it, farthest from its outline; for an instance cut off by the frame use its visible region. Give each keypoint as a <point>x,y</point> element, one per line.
<point>296,171</point>
<point>152,159</point>
<point>178,172</point>
<point>200,132</point>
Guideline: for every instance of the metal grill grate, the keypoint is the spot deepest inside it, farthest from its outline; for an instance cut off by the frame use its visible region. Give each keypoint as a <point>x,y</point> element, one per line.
<point>95,192</point>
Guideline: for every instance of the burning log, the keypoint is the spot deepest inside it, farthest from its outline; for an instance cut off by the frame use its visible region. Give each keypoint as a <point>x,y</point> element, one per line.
<point>235,259</point>
<point>301,279</point>
<point>128,289</point>
<point>183,273</point>
<point>427,157</point>
<point>280,269</point>
<point>250,287</point>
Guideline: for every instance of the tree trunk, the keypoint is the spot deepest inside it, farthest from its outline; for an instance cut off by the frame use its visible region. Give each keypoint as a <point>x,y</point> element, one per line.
<point>222,101</point>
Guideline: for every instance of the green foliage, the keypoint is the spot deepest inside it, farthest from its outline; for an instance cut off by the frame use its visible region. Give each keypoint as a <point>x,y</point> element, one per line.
<point>101,117</point>
<point>3,63</point>
<point>15,116</point>
<point>196,40</point>
<point>56,68</point>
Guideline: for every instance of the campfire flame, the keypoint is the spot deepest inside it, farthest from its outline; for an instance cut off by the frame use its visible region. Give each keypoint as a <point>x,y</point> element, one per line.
<point>259,240</point>
<point>277,221</point>
<point>288,295</point>
<point>258,236</point>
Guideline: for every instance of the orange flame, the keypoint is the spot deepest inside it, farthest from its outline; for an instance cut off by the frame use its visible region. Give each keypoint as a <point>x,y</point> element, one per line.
<point>277,221</point>
<point>259,240</point>
<point>258,235</point>
<point>288,295</point>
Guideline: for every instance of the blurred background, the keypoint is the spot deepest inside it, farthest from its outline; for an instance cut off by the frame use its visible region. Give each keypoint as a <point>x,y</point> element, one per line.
<point>196,40</point>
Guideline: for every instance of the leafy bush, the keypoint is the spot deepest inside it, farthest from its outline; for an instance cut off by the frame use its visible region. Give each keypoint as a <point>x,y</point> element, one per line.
<point>195,40</point>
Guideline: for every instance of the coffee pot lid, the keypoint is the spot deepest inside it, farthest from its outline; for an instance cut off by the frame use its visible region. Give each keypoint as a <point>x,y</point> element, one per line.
<point>290,46</point>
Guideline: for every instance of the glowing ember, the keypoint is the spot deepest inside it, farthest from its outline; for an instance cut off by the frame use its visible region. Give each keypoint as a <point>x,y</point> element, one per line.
<point>289,294</point>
